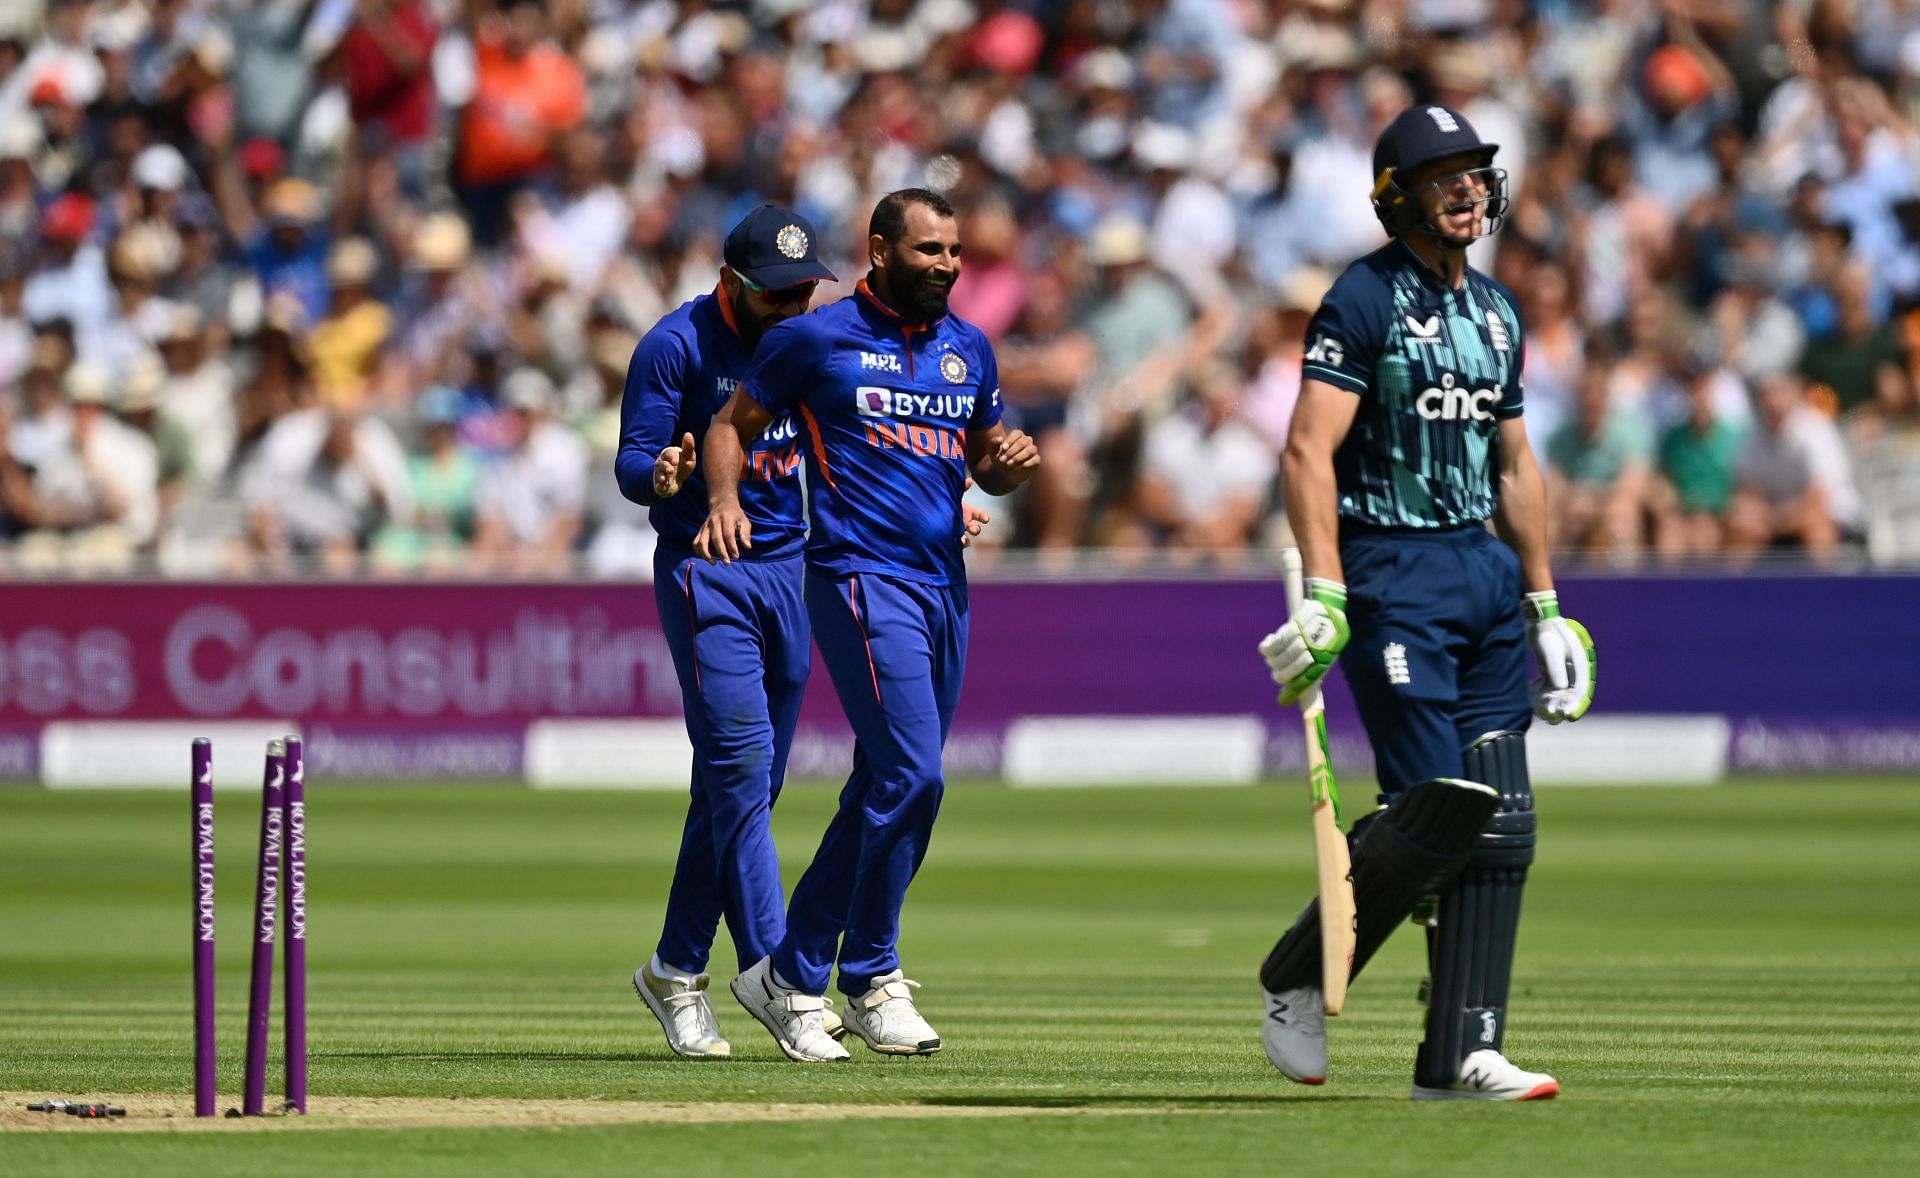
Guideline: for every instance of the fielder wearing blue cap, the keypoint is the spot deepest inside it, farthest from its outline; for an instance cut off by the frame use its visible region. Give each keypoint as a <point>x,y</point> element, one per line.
<point>899,404</point>
<point>1407,439</point>
<point>738,632</point>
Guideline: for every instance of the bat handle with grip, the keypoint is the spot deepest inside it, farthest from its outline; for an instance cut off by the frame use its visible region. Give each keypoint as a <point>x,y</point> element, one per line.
<point>1295,574</point>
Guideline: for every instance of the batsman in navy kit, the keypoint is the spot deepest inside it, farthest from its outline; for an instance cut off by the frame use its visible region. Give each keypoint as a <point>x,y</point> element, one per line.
<point>1406,441</point>
<point>899,404</point>
<point>738,633</point>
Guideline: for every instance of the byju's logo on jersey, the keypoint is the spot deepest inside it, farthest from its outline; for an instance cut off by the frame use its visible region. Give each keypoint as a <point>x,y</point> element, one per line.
<point>869,401</point>
<point>1451,403</point>
<point>880,362</point>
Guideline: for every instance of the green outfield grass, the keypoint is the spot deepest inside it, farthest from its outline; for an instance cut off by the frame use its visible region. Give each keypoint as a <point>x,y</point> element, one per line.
<point>1725,981</point>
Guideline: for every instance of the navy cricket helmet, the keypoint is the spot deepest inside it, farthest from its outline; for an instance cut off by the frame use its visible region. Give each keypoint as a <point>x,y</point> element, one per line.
<point>1416,137</point>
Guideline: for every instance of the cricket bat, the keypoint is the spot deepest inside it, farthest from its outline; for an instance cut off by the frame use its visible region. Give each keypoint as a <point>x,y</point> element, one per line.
<point>1334,867</point>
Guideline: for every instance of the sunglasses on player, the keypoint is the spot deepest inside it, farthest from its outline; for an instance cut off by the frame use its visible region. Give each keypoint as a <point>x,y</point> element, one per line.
<point>789,296</point>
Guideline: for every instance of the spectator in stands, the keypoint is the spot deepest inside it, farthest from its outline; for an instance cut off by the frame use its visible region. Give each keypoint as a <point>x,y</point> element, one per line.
<point>324,481</point>
<point>1850,363</point>
<point>531,500</point>
<point>1690,495</point>
<point>1204,475</point>
<point>70,283</point>
<point>93,501</point>
<point>347,342</point>
<point>196,396</point>
<point>1792,484</point>
<point>386,57</point>
<point>1045,364</point>
<point>1597,470</point>
<point>444,478</point>
<point>174,474</point>
<point>526,92</point>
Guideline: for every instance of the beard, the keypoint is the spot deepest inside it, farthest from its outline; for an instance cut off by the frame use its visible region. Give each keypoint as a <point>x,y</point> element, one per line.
<point>917,297</point>
<point>751,325</point>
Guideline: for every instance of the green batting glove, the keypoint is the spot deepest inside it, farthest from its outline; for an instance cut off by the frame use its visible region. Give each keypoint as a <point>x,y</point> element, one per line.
<point>1568,665</point>
<point>1301,652</point>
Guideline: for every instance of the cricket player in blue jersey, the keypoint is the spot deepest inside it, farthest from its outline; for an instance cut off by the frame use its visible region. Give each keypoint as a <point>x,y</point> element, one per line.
<point>738,633</point>
<point>899,403</point>
<point>1406,440</point>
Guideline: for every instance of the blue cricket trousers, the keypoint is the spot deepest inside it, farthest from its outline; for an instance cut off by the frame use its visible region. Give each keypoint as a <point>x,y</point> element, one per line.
<point>1438,656</point>
<point>741,647</point>
<point>896,650</point>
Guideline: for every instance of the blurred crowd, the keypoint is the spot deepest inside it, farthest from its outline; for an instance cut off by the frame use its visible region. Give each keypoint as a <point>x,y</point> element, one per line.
<point>353,283</point>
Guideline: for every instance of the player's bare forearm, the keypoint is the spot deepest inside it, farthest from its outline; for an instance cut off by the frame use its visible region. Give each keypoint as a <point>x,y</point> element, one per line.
<point>1521,519</point>
<point>1313,509</point>
<point>1321,419</point>
<point>738,423</point>
<point>1001,459</point>
<point>727,532</point>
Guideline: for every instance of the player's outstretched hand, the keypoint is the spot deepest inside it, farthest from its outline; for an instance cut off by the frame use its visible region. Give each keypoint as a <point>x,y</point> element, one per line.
<point>1301,652</point>
<point>674,467</point>
<point>972,519</point>
<point>1564,650</point>
<point>726,534</point>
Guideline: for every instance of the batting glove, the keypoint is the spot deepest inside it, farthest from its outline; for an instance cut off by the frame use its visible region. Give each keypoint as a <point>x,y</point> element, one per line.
<point>1564,650</point>
<point>1301,652</point>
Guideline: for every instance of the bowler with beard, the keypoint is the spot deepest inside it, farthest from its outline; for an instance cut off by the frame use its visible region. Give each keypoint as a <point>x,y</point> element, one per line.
<point>899,403</point>
<point>738,632</point>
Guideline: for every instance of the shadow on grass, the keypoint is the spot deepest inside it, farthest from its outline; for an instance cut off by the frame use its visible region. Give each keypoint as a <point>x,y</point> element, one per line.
<point>638,1057</point>
<point>1145,1100</point>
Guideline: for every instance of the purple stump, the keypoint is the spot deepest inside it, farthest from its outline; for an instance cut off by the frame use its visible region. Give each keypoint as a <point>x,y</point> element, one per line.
<point>296,937</point>
<point>204,1097</point>
<point>266,918</point>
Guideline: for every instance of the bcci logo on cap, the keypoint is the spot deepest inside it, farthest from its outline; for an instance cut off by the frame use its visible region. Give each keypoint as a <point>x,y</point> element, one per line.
<point>791,241</point>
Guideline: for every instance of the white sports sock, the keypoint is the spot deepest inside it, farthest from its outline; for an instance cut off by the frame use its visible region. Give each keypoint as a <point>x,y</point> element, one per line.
<point>668,973</point>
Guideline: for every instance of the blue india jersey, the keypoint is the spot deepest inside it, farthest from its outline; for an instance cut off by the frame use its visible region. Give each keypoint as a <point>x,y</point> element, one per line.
<point>885,407</point>
<point>682,373</point>
<point>1436,371</point>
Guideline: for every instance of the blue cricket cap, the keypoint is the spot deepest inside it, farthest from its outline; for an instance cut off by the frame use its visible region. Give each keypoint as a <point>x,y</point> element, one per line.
<point>776,248</point>
<point>1422,134</point>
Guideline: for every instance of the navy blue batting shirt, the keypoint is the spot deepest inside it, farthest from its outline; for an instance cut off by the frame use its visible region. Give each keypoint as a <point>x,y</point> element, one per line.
<point>1436,371</point>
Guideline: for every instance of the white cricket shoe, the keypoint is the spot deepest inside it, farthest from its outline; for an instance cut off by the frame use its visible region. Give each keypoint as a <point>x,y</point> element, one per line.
<point>885,1018</point>
<point>1295,1034</point>
<point>1488,1075</point>
<point>798,1021</point>
<point>685,1014</point>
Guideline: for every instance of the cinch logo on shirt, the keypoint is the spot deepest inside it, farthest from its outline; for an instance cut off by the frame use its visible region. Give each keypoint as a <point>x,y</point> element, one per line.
<point>880,362</point>
<point>1448,403</point>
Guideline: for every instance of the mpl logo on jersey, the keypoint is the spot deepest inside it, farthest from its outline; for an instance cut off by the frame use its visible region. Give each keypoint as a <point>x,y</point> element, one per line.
<point>881,362</point>
<point>1450,402</point>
